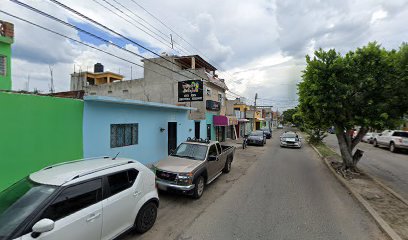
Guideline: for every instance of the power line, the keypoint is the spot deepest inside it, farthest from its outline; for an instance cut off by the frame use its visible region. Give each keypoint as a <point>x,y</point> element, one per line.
<point>80,42</point>
<point>102,39</point>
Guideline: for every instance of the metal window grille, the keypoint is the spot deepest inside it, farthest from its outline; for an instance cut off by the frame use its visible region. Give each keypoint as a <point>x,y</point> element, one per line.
<point>124,135</point>
<point>3,65</point>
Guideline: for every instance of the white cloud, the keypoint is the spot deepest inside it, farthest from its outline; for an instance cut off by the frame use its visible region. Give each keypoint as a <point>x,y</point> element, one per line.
<point>261,43</point>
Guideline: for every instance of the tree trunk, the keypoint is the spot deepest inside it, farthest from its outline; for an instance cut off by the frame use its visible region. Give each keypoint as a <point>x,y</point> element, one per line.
<point>347,144</point>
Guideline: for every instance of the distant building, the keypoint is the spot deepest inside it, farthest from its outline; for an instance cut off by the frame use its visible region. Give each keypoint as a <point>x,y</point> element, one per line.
<point>161,83</point>
<point>6,40</point>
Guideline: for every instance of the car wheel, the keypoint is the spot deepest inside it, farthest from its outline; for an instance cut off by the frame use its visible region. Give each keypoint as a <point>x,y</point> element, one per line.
<point>392,147</point>
<point>146,217</point>
<point>227,167</point>
<point>199,187</point>
<point>375,143</point>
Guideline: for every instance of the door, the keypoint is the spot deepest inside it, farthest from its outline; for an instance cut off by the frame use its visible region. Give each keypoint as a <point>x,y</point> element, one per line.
<point>222,158</point>
<point>213,166</point>
<point>77,213</point>
<point>172,136</point>
<point>197,130</point>
<point>122,197</point>
<point>383,138</point>
<point>209,131</point>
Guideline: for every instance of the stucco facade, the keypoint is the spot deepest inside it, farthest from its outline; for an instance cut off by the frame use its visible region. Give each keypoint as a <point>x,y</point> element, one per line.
<point>100,113</point>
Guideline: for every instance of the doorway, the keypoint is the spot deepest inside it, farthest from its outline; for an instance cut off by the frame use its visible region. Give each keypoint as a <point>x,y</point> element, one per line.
<point>172,136</point>
<point>209,131</point>
<point>197,130</point>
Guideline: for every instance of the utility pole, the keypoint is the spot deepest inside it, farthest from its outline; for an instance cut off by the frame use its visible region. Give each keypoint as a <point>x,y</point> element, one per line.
<point>131,73</point>
<point>28,82</point>
<point>253,119</point>
<point>52,80</point>
<point>171,39</point>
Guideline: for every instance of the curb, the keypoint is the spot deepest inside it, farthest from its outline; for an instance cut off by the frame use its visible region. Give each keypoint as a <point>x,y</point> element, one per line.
<point>378,219</point>
<point>397,195</point>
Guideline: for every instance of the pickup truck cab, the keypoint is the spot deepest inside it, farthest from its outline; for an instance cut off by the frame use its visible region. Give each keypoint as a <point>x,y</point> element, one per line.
<point>192,165</point>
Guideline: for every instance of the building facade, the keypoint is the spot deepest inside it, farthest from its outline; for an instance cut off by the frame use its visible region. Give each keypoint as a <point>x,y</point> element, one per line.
<point>161,83</point>
<point>144,131</point>
<point>6,40</point>
<point>37,131</point>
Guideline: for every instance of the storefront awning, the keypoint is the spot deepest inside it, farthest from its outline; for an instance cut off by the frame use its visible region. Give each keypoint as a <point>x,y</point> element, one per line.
<point>243,120</point>
<point>224,120</point>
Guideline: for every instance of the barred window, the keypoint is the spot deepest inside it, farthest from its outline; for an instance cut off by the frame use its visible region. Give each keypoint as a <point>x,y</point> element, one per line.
<point>124,134</point>
<point>3,65</point>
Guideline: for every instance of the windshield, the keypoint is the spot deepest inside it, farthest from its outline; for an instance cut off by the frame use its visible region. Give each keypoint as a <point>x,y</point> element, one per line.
<point>265,129</point>
<point>256,134</point>
<point>18,202</point>
<point>191,151</point>
<point>289,135</point>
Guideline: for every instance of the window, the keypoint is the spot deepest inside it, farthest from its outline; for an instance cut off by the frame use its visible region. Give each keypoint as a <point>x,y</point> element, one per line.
<point>122,181</point>
<point>74,199</point>
<point>221,98</point>
<point>124,134</point>
<point>125,91</point>
<point>3,65</point>
<point>219,148</point>
<point>109,92</point>
<point>208,91</point>
<point>212,151</point>
<point>401,134</point>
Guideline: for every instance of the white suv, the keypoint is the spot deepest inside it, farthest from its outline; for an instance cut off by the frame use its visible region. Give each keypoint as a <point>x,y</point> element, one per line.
<point>88,199</point>
<point>393,139</point>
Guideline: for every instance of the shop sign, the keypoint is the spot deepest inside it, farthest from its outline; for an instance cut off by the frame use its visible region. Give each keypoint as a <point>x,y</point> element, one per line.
<point>212,105</point>
<point>190,91</point>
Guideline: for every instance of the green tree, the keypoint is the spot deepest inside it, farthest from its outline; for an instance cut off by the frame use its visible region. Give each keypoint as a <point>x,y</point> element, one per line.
<point>366,88</point>
<point>288,115</point>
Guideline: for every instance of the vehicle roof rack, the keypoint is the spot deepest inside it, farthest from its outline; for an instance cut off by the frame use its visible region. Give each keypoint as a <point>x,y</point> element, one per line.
<point>74,161</point>
<point>98,170</point>
<point>199,140</point>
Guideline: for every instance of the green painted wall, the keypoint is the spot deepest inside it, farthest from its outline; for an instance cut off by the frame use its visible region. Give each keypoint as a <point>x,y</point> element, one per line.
<point>36,131</point>
<point>5,50</point>
<point>209,120</point>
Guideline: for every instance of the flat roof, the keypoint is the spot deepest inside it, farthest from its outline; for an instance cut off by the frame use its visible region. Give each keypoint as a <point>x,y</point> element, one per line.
<point>135,102</point>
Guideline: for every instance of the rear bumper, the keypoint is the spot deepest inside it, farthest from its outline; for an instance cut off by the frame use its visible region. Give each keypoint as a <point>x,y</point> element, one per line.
<point>164,185</point>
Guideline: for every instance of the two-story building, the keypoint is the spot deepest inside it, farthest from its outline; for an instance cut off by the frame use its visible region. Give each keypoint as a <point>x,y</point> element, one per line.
<point>6,40</point>
<point>188,81</point>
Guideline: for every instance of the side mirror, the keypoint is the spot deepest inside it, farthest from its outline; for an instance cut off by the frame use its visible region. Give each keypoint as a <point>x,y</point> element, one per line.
<point>212,158</point>
<point>42,226</point>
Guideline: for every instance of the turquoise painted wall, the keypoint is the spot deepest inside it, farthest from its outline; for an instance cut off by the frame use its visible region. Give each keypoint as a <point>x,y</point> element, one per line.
<point>37,131</point>
<point>152,144</point>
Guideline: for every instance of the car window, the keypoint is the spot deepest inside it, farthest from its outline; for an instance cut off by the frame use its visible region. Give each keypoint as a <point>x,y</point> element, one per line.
<point>219,148</point>
<point>74,199</point>
<point>121,181</point>
<point>401,134</point>
<point>212,151</point>
<point>191,151</point>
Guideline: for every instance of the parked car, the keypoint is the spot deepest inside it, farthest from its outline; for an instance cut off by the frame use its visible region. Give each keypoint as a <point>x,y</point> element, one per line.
<point>192,165</point>
<point>331,130</point>
<point>393,139</point>
<point>369,137</point>
<point>268,132</point>
<point>280,126</point>
<point>257,138</point>
<point>290,139</point>
<point>89,199</point>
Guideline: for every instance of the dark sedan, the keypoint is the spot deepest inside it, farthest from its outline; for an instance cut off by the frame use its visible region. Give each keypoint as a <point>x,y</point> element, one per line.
<point>257,138</point>
<point>268,132</point>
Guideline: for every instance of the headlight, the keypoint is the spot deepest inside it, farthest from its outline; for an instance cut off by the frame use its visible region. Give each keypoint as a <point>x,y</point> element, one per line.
<point>185,178</point>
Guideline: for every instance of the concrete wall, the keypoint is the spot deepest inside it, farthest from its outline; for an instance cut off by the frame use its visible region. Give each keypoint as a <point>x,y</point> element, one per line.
<point>152,146</point>
<point>37,131</point>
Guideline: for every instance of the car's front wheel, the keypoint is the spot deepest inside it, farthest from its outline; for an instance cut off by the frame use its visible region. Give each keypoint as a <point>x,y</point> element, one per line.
<point>375,143</point>
<point>146,217</point>
<point>198,187</point>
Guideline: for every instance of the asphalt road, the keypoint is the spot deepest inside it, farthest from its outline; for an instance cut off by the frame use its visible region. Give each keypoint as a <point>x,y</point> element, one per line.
<point>390,168</point>
<point>282,194</point>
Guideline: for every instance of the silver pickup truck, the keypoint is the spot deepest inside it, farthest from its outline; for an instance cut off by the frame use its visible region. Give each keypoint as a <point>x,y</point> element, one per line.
<point>192,165</point>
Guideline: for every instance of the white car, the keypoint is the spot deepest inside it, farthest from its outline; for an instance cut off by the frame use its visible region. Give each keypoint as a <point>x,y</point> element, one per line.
<point>90,199</point>
<point>393,139</point>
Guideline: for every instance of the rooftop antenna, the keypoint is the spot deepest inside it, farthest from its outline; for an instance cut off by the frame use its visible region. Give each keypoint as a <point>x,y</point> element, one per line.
<point>114,158</point>
<point>171,39</point>
<point>28,82</point>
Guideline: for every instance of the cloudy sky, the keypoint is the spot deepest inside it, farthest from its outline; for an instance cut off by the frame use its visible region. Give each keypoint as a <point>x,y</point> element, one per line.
<point>259,46</point>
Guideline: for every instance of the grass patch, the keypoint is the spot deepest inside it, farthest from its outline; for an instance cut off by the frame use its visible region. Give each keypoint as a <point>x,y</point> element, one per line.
<point>326,151</point>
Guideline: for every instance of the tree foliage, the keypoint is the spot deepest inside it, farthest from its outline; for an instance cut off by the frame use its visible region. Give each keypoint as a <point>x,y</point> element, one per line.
<point>367,88</point>
<point>288,115</point>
